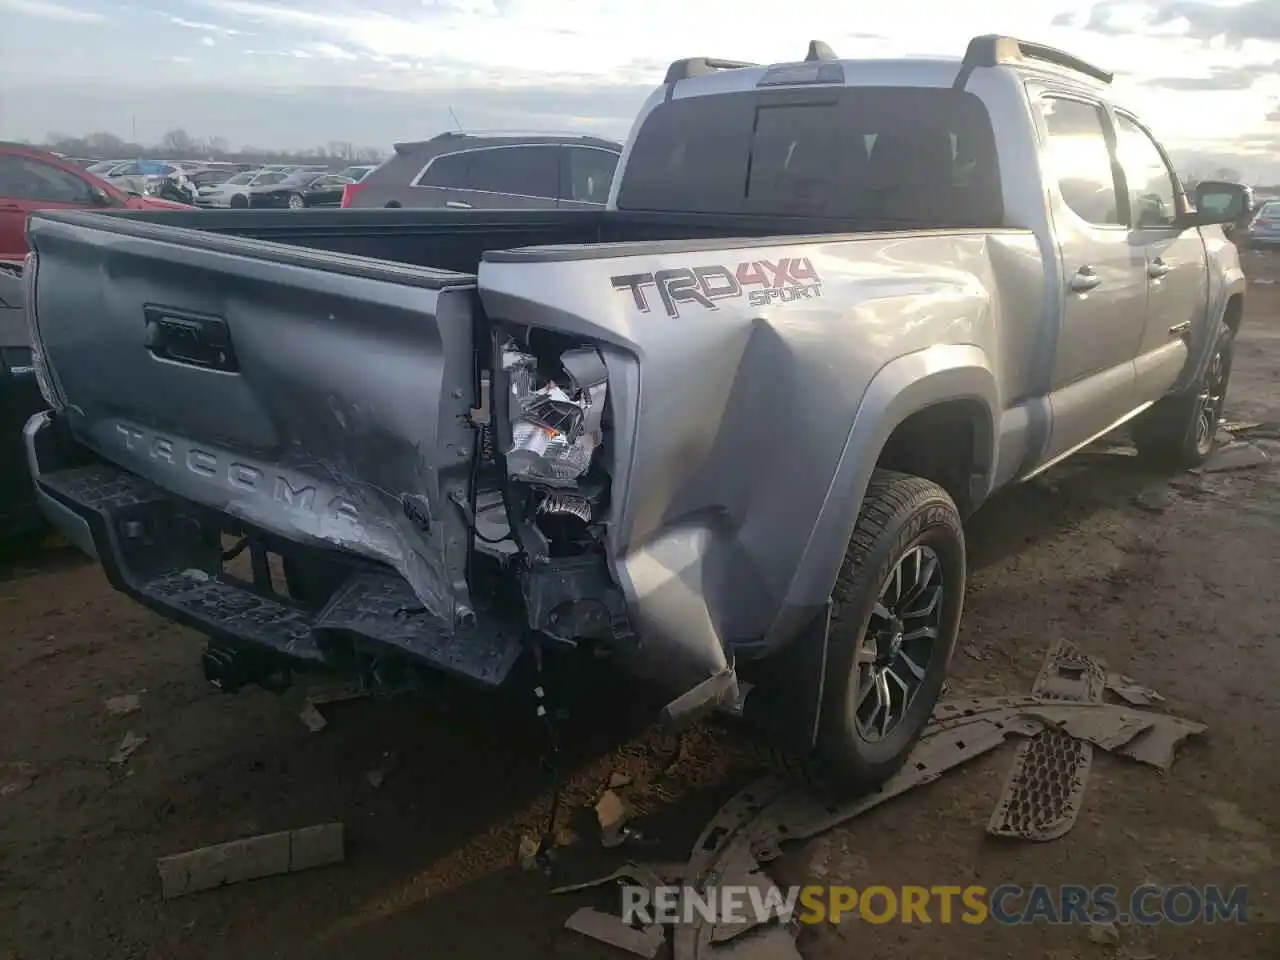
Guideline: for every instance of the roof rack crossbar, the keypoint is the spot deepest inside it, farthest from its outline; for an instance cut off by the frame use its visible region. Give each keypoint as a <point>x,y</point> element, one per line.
<point>701,67</point>
<point>992,50</point>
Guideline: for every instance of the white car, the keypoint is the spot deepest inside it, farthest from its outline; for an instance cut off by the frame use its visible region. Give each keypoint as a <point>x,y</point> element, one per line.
<point>235,192</point>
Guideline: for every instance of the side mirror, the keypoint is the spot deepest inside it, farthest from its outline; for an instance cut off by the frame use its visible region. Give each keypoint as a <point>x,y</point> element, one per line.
<point>1220,201</point>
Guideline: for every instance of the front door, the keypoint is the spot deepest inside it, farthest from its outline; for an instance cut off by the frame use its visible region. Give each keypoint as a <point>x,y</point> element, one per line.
<point>1177,269</point>
<point>1103,277</point>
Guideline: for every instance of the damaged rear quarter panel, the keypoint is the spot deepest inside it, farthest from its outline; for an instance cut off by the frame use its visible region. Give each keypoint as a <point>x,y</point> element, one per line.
<point>732,418</point>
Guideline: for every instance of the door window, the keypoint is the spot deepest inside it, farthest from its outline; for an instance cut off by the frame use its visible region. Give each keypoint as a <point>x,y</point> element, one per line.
<point>25,178</point>
<point>1080,160</point>
<point>589,174</point>
<point>451,171</point>
<point>1152,190</point>
<point>523,171</point>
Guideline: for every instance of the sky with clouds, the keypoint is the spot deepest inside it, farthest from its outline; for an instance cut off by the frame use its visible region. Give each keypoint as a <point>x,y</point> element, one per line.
<point>291,73</point>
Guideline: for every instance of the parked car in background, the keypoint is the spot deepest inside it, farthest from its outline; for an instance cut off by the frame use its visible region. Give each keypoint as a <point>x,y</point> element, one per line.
<point>358,172</point>
<point>234,192</point>
<point>1264,230</point>
<point>210,176</point>
<point>468,171</point>
<point>33,179</point>
<point>300,190</point>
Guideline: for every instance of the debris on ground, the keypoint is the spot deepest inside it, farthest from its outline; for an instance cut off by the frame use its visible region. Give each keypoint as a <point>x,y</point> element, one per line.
<point>609,929</point>
<point>289,851</point>
<point>1150,738</point>
<point>1238,426</point>
<point>1152,501</point>
<point>15,777</point>
<point>129,745</point>
<point>1240,455</point>
<point>312,717</point>
<point>801,814</point>
<point>1106,933</point>
<point>648,875</point>
<point>378,776</point>
<point>618,780</point>
<point>528,853</point>
<point>1130,691</point>
<point>1046,784</point>
<point>611,814</point>
<point>1061,721</point>
<point>123,705</point>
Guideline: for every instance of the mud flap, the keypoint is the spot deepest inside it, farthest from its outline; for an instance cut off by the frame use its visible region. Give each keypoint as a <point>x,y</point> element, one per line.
<point>786,705</point>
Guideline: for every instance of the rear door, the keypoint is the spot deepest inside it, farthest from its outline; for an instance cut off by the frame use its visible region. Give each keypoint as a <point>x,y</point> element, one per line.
<point>586,174</point>
<point>1177,266</point>
<point>28,184</point>
<point>1104,275</point>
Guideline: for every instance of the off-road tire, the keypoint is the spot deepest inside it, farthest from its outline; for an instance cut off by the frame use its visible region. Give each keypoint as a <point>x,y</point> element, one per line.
<point>899,512</point>
<point>1173,434</point>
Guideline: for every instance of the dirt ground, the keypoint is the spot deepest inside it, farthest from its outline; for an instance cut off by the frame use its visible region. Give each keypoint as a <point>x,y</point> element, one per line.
<point>1171,580</point>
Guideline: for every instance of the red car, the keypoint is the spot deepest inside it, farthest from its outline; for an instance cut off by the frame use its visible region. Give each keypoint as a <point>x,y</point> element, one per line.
<point>32,179</point>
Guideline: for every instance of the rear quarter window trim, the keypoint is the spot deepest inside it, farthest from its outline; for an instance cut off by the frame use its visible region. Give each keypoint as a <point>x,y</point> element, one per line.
<point>416,181</point>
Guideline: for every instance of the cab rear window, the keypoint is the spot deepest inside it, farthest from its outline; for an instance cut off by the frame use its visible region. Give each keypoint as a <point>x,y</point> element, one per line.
<point>917,155</point>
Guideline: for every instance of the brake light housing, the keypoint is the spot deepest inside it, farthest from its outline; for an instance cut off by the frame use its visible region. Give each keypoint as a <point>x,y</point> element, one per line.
<point>349,192</point>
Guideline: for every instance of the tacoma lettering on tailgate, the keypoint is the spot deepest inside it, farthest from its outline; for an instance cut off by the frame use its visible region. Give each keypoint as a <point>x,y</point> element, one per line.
<point>236,476</point>
<point>761,281</point>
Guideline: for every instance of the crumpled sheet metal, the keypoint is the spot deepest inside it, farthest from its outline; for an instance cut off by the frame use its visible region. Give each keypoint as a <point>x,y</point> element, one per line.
<point>1046,784</point>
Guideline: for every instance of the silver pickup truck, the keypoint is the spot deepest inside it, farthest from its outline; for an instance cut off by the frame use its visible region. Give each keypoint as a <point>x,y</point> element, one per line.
<point>724,431</point>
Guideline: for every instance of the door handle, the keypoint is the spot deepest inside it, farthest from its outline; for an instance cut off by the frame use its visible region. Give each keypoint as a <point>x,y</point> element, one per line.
<point>457,205</point>
<point>1157,268</point>
<point>1084,280</point>
<point>1180,329</point>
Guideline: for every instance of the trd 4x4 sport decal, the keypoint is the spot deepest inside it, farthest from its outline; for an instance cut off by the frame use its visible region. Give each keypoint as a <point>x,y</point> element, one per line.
<point>786,280</point>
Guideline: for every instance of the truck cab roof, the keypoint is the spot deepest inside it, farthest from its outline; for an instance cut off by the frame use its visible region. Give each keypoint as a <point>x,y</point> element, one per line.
<point>701,76</point>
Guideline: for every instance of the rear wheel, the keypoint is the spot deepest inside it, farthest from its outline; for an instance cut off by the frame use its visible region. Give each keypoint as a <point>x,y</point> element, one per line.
<point>898,602</point>
<point>1179,431</point>
<point>239,201</point>
<point>296,201</point>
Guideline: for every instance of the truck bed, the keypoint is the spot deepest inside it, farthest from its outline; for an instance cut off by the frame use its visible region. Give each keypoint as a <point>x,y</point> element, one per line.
<point>456,240</point>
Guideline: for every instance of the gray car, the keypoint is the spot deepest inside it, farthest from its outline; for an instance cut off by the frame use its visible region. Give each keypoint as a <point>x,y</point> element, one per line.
<point>492,172</point>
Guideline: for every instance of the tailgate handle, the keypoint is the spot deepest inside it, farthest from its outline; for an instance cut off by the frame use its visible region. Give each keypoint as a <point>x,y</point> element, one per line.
<point>191,339</point>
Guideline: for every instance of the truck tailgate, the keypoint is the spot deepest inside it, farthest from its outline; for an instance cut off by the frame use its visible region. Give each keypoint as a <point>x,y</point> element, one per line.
<point>318,396</point>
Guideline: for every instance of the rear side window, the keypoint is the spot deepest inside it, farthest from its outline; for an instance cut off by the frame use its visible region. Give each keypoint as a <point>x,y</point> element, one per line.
<point>526,171</point>
<point>912,155</point>
<point>522,171</point>
<point>1080,160</point>
<point>588,174</point>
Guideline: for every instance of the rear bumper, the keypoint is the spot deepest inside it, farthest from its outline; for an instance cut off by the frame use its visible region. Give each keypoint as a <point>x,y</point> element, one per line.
<point>166,553</point>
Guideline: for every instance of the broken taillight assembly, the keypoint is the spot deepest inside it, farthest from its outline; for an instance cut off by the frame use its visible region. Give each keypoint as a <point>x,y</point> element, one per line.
<point>349,192</point>
<point>556,422</point>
